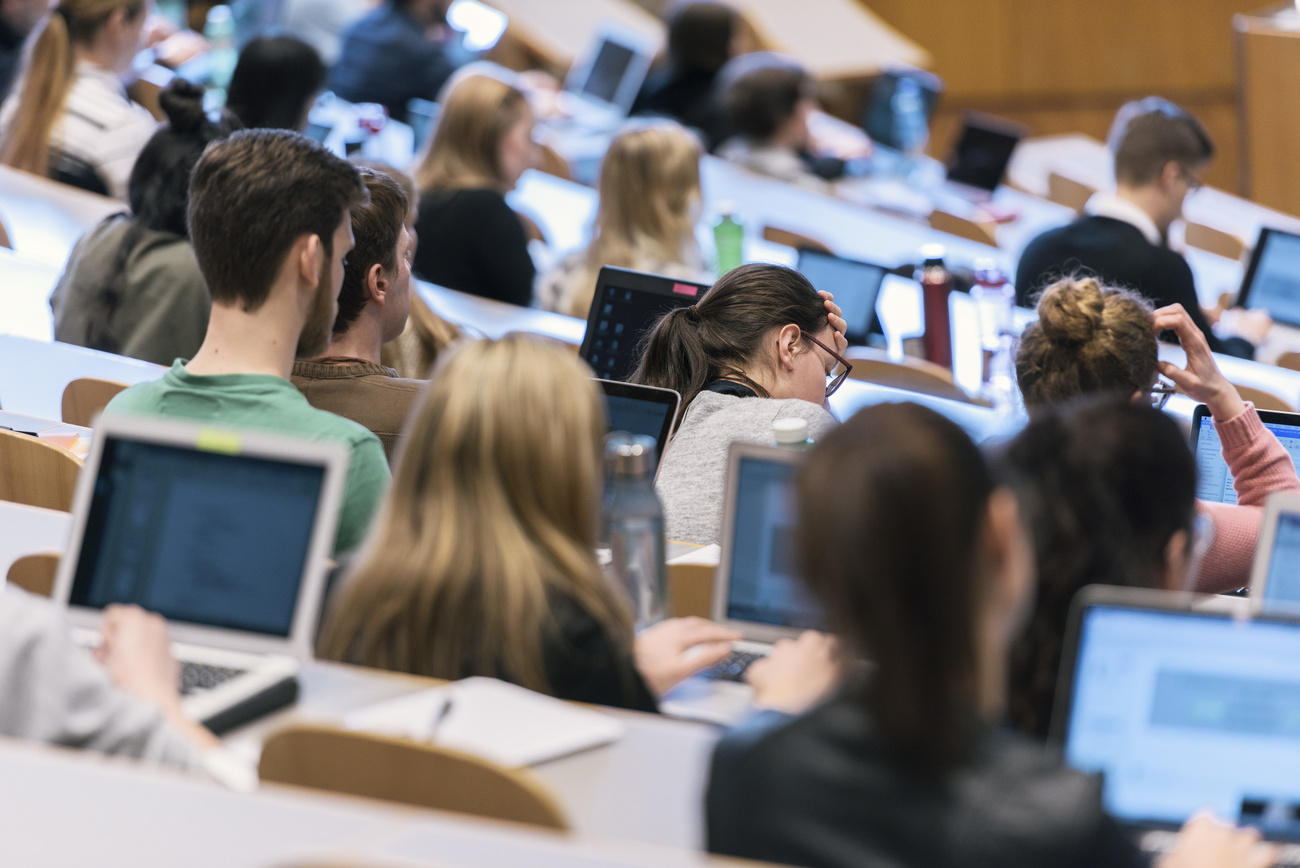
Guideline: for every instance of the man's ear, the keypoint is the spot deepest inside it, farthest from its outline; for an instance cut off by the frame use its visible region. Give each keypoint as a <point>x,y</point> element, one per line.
<point>310,259</point>
<point>377,284</point>
<point>1170,174</point>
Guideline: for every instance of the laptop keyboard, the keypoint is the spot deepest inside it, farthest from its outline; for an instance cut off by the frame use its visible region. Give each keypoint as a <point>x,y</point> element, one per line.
<point>202,676</point>
<point>732,667</point>
<point>1288,855</point>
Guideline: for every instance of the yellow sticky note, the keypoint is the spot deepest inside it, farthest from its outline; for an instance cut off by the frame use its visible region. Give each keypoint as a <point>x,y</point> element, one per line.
<point>216,440</point>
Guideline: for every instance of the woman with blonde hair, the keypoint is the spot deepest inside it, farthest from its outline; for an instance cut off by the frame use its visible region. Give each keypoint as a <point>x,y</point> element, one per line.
<point>470,240</point>
<point>649,196</point>
<point>483,560</point>
<point>69,116</point>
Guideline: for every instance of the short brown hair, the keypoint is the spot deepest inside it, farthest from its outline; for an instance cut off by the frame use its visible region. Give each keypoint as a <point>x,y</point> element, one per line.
<point>252,196</point>
<point>1149,133</point>
<point>759,91</point>
<point>376,226</point>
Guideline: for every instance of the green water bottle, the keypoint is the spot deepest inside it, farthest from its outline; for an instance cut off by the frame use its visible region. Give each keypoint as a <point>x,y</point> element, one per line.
<point>729,242</point>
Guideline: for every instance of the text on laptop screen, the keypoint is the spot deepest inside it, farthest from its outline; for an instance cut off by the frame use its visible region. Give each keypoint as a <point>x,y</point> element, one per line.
<point>199,537</point>
<point>763,586</point>
<point>1213,480</point>
<point>856,285</point>
<point>624,317</point>
<point>1183,712</point>
<point>1282,586</point>
<point>637,416</point>
<point>1275,285</point>
<point>607,71</point>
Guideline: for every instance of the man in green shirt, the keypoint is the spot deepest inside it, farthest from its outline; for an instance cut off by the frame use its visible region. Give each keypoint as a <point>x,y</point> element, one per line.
<point>269,217</point>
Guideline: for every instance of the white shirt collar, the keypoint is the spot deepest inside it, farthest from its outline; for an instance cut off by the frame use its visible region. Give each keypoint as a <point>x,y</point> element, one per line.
<point>1107,204</point>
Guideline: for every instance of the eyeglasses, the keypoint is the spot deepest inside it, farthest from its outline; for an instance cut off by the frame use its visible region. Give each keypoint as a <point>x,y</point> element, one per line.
<point>1193,182</point>
<point>1161,392</point>
<point>839,373</point>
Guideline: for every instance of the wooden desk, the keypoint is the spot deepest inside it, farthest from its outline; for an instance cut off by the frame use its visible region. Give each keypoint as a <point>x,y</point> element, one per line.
<point>45,218</point>
<point>493,318</point>
<point>25,287</point>
<point>558,32</point>
<point>34,373</point>
<point>28,530</point>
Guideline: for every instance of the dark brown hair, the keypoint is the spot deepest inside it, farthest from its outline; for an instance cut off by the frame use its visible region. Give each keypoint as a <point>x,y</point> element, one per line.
<point>719,335</point>
<point>891,509</point>
<point>252,196</point>
<point>700,34</point>
<point>376,227</point>
<point>1149,133</point>
<point>1088,338</point>
<point>759,91</point>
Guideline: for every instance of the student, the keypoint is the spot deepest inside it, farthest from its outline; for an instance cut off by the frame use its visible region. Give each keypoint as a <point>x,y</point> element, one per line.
<point>920,561</point>
<point>702,37</point>
<point>483,560</point>
<point>760,345</point>
<point>269,222</point>
<point>17,19</point>
<point>275,83</point>
<point>349,378</point>
<point>649,202</point>
<point>68,115</point>
<point>132,285</point>
<point>1091,338</point>
<point>1160,152</point>
<point>470,240</point>
<point>390,56</point>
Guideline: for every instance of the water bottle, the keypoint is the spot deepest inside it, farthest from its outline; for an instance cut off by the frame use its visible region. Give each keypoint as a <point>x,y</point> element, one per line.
<point>936,341</point>
<point>729,242</point>
<point>222,57</point>
<point>634,522</point>
<point>995,301</point>
<point>791,432</point>
<point>910,124</point>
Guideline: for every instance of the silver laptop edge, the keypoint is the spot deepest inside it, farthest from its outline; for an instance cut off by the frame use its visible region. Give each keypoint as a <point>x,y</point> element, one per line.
<point>1279,503</point>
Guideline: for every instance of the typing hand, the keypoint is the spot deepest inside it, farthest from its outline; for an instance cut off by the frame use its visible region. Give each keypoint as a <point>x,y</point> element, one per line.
<point>1201,379</point>
<point>796,675</point>
<point>836,317</point>
<point>137,654</point>
<point>1204,842</point>
<point>679,647</point>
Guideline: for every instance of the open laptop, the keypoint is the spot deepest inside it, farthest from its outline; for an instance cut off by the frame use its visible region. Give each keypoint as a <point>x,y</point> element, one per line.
<point>223,533</point>
<point>1213,480</point>
<point>646,410</point>
<point>1272,280</point>
<point>855,285</point>
<point>1183,710</point>
<point>981,155</point>
<point>624,307</point>
<point>601,86</point>
<point>1275,575</point>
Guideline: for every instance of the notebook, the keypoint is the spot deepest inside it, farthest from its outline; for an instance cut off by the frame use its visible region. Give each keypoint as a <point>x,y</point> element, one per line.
<point>225,534</point>
<point>626,304</point>
<point>855,285</point>
<point>1213,480</point>
<point>1183,710</point>
<point>644,410</point>
<point>1272,280</point>
<point>1275,575</point>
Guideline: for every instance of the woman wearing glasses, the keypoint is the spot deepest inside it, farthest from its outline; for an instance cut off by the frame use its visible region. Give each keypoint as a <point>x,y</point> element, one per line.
<point>760,345</point>
<point>1092,338</point>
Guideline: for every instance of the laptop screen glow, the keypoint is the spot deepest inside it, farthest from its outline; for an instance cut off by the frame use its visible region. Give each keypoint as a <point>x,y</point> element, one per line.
<point>199,537</point>
<point>763,586</point>
<point>1275,285</point>
<point>856,285</point>
<point>1282,587</point>
<point>610,65</point>
<point>1185,711</point>
<point>637,416</point>
<point>1213,481</point>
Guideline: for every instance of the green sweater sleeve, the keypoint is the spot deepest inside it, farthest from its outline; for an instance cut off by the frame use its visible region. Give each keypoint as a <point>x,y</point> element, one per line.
<point>367,482</point>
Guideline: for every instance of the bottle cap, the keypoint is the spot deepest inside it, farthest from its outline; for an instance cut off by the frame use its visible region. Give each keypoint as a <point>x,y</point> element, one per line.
<point>629,454</point>
<point>988,273</point>
<point>790,430</point>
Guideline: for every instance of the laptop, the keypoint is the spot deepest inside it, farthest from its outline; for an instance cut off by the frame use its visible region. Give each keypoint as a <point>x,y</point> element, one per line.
<point>1272,280</point>
<point>855,285</point>
<point>626,304</point>
<point>981,155</point>
<point>225,534</point>
<point>1213,480</point>
<point>1182,710</point>
<point>602,86</point>
<point>1275,575</point>
<point>637,409</point>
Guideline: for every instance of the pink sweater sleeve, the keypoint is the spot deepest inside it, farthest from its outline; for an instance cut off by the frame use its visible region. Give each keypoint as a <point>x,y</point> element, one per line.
<point>1259,467</point>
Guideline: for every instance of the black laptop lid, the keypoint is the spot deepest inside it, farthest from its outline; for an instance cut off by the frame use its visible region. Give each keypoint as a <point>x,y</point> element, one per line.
<point>625,306</point>
<point>855,285</point>
<point>983,150</point>
<point>638,409</point>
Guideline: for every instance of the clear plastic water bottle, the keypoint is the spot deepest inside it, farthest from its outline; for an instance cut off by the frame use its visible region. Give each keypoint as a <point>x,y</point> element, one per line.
<point>995,300</point>
<point>729,241</point>
<point>634,524</point>
<point>791,432</point>
<point>222,57</point>
<point>910,124</point>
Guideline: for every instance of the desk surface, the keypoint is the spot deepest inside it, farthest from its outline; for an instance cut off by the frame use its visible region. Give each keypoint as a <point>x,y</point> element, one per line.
<point>25,287</point>
<point>45,218</point>
<point>34,373</point>
<point>26,530</point>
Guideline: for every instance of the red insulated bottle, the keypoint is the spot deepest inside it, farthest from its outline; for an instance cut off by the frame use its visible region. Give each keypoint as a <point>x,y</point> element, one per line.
<point>936,341</point>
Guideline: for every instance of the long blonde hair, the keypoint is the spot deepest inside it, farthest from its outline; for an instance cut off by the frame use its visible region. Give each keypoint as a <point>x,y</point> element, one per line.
<point>494,506</point>
<point>649,184</point>
<point>478,110</point>
<point>48,72</point>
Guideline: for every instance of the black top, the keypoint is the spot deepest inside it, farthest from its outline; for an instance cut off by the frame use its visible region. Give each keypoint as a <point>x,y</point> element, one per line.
<point>726,387</point>
<point>819,790</point>
<point>1117,253</point>
<point>470,240</point>
<point>11,55</point>
<point>686,96</point>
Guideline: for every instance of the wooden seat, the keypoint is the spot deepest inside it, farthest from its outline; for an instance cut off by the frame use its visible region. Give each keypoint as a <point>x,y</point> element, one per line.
<point>690,588</point>
<point>1224,244</point>
<point>982,231</point>
<point>85,397</point>
<point>1289,360</point>
<point>36,473</point>
<point>1068,192</point>
<point>403,770</point>
<point>797,240</point>
<point>1263,399</point>
<point>35,573</point>
<point>915,375</point>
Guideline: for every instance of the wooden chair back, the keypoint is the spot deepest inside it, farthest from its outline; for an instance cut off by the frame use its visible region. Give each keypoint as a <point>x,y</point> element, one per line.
<point>797,240</point>
<point>982,231</point>
<point>36,473</point>
<point>1068,192</point>
<point>1224,244</point>
<point>1289,360</point>
<point>690,589</point>
<point>85,397</point>
<point>916,375</point>
<point>1264,399</point>
<point>35,573</point>
<point>403,770</point>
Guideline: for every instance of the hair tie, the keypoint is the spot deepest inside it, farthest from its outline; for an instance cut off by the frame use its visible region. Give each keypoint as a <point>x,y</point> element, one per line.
<point>693,313</point>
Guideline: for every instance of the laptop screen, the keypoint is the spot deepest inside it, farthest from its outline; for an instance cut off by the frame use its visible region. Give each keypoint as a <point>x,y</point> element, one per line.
<point>763,586</point>
<point>855,285</point>
<point>1273,279</point>
<point>1282,584</point>
<point>1184,711</point>
<point>607,71</point>
<point>204,538</point>
<point>640,410</point>
<point>982,153</point>
<point>625,306</point>
<point>1213,481</point>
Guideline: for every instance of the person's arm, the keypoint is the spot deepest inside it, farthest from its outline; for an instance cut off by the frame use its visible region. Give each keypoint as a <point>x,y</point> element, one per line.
<point>172,301</point>
<point>677,648</point>
<point>367,482</point>
<point>798,673</point>
<point>505,269</point>
<point>1204,842</point>
<point>1181,285</point>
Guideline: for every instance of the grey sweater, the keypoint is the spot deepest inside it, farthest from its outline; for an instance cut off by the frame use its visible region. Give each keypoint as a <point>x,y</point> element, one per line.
<point>694,467</point>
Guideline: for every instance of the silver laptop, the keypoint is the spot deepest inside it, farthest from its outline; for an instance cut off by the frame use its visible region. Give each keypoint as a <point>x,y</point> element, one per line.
<point>601,86</point>
<point>224,533</point>
<point>1275,575</point>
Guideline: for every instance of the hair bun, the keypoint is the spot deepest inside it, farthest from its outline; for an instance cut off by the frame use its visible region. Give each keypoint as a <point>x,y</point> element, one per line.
<point>182,102</point>
<point>1071,310</point>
